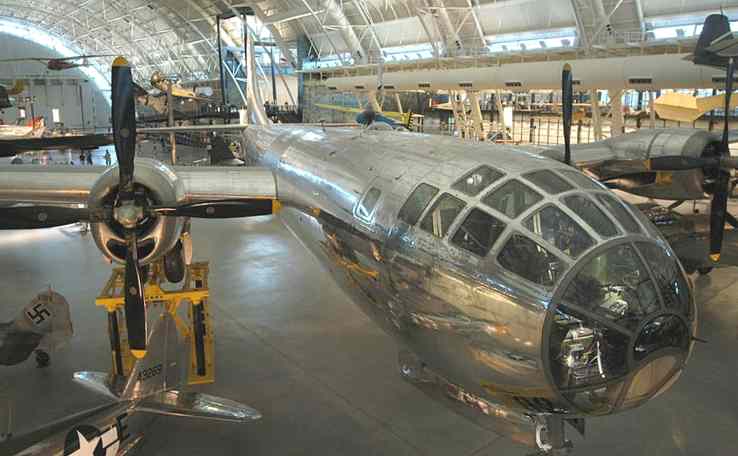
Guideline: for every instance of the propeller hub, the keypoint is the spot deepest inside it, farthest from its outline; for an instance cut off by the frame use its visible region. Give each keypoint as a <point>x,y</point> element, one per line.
<point>128,215</point>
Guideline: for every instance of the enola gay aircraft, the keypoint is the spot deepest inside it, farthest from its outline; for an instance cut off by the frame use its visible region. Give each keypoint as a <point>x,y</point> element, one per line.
<point>523,293</point>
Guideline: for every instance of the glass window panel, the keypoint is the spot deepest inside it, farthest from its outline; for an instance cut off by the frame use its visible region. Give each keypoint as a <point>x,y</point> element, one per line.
<point>548,181</point>
<point>584,352</point>
<point>416,203</point>
<point>620,212</point>
<point>649,380</point>
<point>477,180</point>
<point>590,213</point>
<point>478,233</point>
<point>559,230</point>
<point>669,278</point>
<point>368,203</point>
<point>529,260</point>
<point>581,179</point>
<point>440,218</point>
<point>512,198</point>
<point>665,331</point>
<point>616,285</point>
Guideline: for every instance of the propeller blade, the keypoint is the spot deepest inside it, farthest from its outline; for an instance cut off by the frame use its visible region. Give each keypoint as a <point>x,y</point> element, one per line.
<point>124,121</point>
<point>567,100</point>
<point>134,301</point>
<point>29,217</point>
<point>719,205</point>
<point>219,209</point>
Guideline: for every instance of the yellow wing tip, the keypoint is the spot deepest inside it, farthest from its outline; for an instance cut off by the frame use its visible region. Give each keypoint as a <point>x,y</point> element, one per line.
<point>120,61</point>
<point>715,257</point>
<point>138,354</point>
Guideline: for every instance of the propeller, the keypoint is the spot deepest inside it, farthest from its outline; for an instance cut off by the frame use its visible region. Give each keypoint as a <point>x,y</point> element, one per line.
<point>719,205</point>
<point>129,207</point>
<point>722,163</point>
<point>567,101</point>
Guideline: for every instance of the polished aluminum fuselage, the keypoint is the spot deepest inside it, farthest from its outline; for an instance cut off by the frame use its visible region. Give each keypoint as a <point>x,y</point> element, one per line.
<point>470,320</point>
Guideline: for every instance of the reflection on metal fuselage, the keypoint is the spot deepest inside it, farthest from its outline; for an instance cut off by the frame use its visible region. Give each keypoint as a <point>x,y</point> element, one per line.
<point>473,324</point>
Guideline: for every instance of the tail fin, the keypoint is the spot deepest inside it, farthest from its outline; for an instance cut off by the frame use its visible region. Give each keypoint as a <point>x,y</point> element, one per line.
<point>151,385</point>
<point>47,315</point>
<point>220,154</point>
<point>716,25</point>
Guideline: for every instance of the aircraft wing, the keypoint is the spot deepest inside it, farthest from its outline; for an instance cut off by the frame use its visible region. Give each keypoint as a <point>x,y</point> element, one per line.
<point>11,147</point>
<point>233,127</point>
<point>72,185</point>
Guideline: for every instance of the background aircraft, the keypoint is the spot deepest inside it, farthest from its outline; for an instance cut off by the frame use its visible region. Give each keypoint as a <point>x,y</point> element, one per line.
<point>58,64</point>
<point>116,427</point>
<point>42,327</point>
<point>5,93</point>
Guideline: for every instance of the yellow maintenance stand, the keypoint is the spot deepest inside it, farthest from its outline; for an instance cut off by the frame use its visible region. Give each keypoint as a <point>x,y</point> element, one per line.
<point>195,325</point>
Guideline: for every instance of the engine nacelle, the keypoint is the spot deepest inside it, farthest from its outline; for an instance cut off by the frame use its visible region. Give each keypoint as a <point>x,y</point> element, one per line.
<point>156,235</point>
<point>627,170</point>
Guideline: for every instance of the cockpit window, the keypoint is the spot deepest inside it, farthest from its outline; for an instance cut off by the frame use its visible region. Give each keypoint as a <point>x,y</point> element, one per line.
<point>669,278</point>
<point>529,260</point>
<point>478,233</point>
<point>584,352</point>
<point>477,180</point>
<point>590,213</point>
<point>512,198</point>
<point>559,230</point>
<point>416,203</point>
<point>581,179</point>
<point>548,181</point>
<point>616,285</point>
<point>367,205</point>
<point>622,214</point>
<point>442,215</point>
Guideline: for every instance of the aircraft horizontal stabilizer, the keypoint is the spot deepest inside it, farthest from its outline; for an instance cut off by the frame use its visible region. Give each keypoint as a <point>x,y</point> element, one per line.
<point>197,405</point>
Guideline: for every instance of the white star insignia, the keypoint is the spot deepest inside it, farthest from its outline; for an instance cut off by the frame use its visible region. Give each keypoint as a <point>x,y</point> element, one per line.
<point>86,448</point>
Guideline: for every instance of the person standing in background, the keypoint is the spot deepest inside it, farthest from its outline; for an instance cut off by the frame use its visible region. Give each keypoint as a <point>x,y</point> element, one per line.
<point>107,158</point>
<point>89,158</point>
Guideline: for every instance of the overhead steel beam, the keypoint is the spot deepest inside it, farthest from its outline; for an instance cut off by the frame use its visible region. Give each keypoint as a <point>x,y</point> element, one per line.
<point>582,37</point>
<point>334,11</point>
<point>473,6</point>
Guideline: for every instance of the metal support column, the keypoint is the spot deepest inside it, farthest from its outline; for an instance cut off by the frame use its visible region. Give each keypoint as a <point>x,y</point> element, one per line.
<point>651,110</point>
<point>476,113</point>
<point>399,103</point>
<point>172,136</point>
<point>616,112</point>
<point>274,79</point>
<point>596,118</point>
<point>220,66</point>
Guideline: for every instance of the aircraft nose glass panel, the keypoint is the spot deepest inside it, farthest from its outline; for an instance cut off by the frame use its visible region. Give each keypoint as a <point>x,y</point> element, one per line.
<point>590,213</point>
<point>615,285</point>
<point>512,198</point>
<point>416,203</point>
<point>661,332</point>
<point>478,233</point>
<point>581,180</point>
<point>622,215</point>
<point>585,351</point>
<point>529,260</point>
<point>669,278</point>
<point>442,215</point>
<point>548,181</point>
<point>477,180</point>
<point>559,230</point>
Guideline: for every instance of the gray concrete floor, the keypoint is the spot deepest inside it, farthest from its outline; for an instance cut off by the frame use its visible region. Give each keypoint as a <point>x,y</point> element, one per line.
<point>290,344</point>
